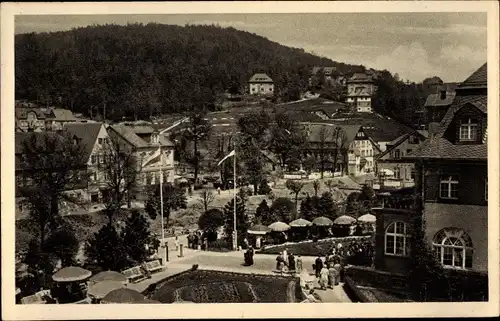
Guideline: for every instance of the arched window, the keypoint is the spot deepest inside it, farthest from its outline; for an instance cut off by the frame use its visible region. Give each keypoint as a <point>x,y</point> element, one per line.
<point>397,239</point>
<point>453,248</point>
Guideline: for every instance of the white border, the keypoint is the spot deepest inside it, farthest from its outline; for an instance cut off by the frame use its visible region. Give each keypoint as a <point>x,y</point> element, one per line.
<point>65,312</point>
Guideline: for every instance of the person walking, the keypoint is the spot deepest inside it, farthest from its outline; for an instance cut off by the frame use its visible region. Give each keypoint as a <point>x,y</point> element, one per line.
<point>323,278</point>
<point>285,256</point>
<point>338,270</point>
<point>291,263</point>
<point>332,275</point>
<point>299,264</point>
<point>280,263</point>
<point>318,265</point>
<point>250,255</point>
<point>218,190</point>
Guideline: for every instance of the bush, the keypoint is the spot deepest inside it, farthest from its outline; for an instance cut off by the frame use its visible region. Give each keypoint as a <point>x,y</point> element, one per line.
<point>211,220</point>
<point>264,188</point>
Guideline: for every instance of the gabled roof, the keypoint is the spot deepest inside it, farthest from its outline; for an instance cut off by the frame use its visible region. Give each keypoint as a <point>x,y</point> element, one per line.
<point>360,77</point>
<point>142,129</point>
<point>22,112</point>
<point>435,99</point>
<point>128,134</point>
<point>86,132</point>
<point>350,132</point>
<point>479,79</point>
<point>398,141</point>
<point>63,115</point>
<point>260,78</point>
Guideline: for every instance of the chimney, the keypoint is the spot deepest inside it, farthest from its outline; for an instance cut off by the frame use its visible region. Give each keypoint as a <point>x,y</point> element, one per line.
<point>443,94</point>
<point>433,129</point>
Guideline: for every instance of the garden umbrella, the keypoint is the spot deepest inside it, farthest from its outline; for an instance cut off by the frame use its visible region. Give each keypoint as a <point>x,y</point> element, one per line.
<point>322,221</point>
<point>367,218</point>
<point>279,227</point>
<point>100,289</point>
<point>344,220</point>
<point>71,274</point>
<point>300,223</point>
<point>259,229</point>
<point>123,295</point>
<point>109,276</point>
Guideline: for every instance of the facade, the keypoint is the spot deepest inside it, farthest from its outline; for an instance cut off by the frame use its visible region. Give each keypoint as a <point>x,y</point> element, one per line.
<point>35,119</point>
<point>393,169</point>
<point>360,89</point>
<point>453,165</point>
<point>261,84</point>
<point>146,142</point>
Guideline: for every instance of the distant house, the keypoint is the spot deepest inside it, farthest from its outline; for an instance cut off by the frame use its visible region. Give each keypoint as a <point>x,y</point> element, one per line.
<point>36,119</point>
<point>360,89</point>
<point>393,169</point>
<point>261,84</point>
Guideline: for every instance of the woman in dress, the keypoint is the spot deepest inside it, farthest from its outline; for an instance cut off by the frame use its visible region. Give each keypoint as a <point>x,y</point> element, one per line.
<point>323,278</point>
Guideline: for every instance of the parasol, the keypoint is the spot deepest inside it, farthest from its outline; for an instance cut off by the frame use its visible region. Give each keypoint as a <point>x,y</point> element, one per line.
<point>71,274</point>
<point>109,276</point>
<point>100,289</point>
<point>322,221</point>
<point>259,229</point>
<point>123,295</point>
<point>279,227</point>
<point>344,220</point>
<point>300,223</point>
<point>367,218</point>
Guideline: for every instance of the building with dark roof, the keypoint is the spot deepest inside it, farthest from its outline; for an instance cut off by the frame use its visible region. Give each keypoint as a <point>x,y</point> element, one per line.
<point>261,84</point>
<point>452,164</point>
<point>36,119</point>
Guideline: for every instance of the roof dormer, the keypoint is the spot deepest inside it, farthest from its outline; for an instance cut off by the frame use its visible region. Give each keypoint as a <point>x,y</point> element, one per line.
<point>468,126</point>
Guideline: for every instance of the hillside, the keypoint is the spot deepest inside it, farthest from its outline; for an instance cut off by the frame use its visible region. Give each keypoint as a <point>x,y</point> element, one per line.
<point>144,70</point>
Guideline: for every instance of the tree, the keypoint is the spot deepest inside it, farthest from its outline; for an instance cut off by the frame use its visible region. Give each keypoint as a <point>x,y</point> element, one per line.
<point>210,221</point>
<point>64,244</point>
<point>242,223</point>
<point>353,206</point>
<point>174,198</point>
<point>295,187</point>
<point>136,235</point>
<point>262,213</point>
<point>206,198</point>
<point>309,208</point>
<point>52,165</point>
<point>121,169</point>
<point>339,146</point>
<point>287,138</point>
<point>107,250</point>
<point>264,188</point>
<point>326,206</point>
<point>316,186</point>
<point>254,126</point>
<point>282,210</point>
<point>198,130</point>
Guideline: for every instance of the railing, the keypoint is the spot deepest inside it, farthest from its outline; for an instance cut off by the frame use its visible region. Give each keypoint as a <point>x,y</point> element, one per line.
<point>406,202</point>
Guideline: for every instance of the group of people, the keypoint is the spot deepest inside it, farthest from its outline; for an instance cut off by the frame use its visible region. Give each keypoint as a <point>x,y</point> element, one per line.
<point>360,253</point>
<point>195,239</point>
<point>249,256</point>
<point>328,271</point>
<point>287,262</point>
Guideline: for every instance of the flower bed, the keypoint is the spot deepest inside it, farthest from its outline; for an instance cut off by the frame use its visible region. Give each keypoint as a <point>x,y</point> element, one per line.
<point>203,286</point>
<point>310,248</point>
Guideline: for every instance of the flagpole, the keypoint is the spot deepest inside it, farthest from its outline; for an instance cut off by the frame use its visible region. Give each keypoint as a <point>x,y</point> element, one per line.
<point>234,192</point>
<point>161,211</point>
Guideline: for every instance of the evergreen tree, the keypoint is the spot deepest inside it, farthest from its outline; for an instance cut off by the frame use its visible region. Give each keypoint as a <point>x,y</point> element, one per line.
<point>242,223</point>
<point>174,197</point>
<point>282,210</point>
<point>211,220</point>
<point>106,249</point>
<point>264,188</point>
<point>136,236</point>
<point>326,206</point>
<point>64,244</point>
<point>262,213</point>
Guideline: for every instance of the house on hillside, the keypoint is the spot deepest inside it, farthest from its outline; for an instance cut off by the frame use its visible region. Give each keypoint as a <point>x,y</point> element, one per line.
<point>360,89</point>
<point>145,143</point>
<point>261,84</point>
<point>453,165</point>
<point>36,119</point>
<point>392,169</point>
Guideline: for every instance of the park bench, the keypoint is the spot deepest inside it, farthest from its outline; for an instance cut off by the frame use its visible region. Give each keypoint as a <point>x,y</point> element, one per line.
<point>37,298</point>
<point>134,274</point>
<point>154,266</point>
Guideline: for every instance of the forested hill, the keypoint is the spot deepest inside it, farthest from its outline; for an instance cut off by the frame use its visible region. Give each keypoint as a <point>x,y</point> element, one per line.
<point>143,70</point>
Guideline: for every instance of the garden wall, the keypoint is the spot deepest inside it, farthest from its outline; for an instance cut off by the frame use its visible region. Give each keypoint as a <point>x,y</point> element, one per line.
<point>366,276</point>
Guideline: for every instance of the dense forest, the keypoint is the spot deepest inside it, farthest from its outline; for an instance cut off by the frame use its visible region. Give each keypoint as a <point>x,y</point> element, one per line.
<point>138,71</point>
<point>143,70</point>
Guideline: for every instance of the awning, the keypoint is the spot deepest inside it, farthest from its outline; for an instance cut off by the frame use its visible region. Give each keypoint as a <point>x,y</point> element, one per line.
<point>71,274</point>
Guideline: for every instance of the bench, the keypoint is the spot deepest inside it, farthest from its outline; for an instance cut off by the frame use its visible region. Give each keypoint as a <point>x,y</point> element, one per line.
<point>134,274</point>
<point>154,266</point>
<point>37,298</point>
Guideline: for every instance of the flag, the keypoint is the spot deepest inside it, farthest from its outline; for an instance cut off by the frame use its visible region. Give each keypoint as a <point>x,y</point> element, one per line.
<point>152,156</point>
<point>226,157</point>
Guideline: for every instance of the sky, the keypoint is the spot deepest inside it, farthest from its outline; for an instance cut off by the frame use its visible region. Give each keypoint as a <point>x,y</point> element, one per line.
<point>413,45</point>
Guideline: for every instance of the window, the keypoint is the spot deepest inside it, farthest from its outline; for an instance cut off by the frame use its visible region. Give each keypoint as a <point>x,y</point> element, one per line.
<point>453,248</point>
<point>93,159</point>
<point>261,88</point>
<point>412,175</point>
<point>270,89</point>
<point>396,239</point>
<point>408,151</point>
<point>448,187</point>
<point>468,130</point>
<point>397,172</point>
<point>94,198</point>
<point>413,140</point>
<point>396,154</point>
<point>100,140</point>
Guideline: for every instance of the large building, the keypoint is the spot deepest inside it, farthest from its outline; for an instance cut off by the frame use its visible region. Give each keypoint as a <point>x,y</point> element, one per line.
<point>453,165</point>
<point>36,119</point>
<point>261,84</point>
<point>360,89</point>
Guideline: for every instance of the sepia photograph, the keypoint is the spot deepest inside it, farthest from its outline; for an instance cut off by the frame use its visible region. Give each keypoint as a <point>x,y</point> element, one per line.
<point>250,157</point>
